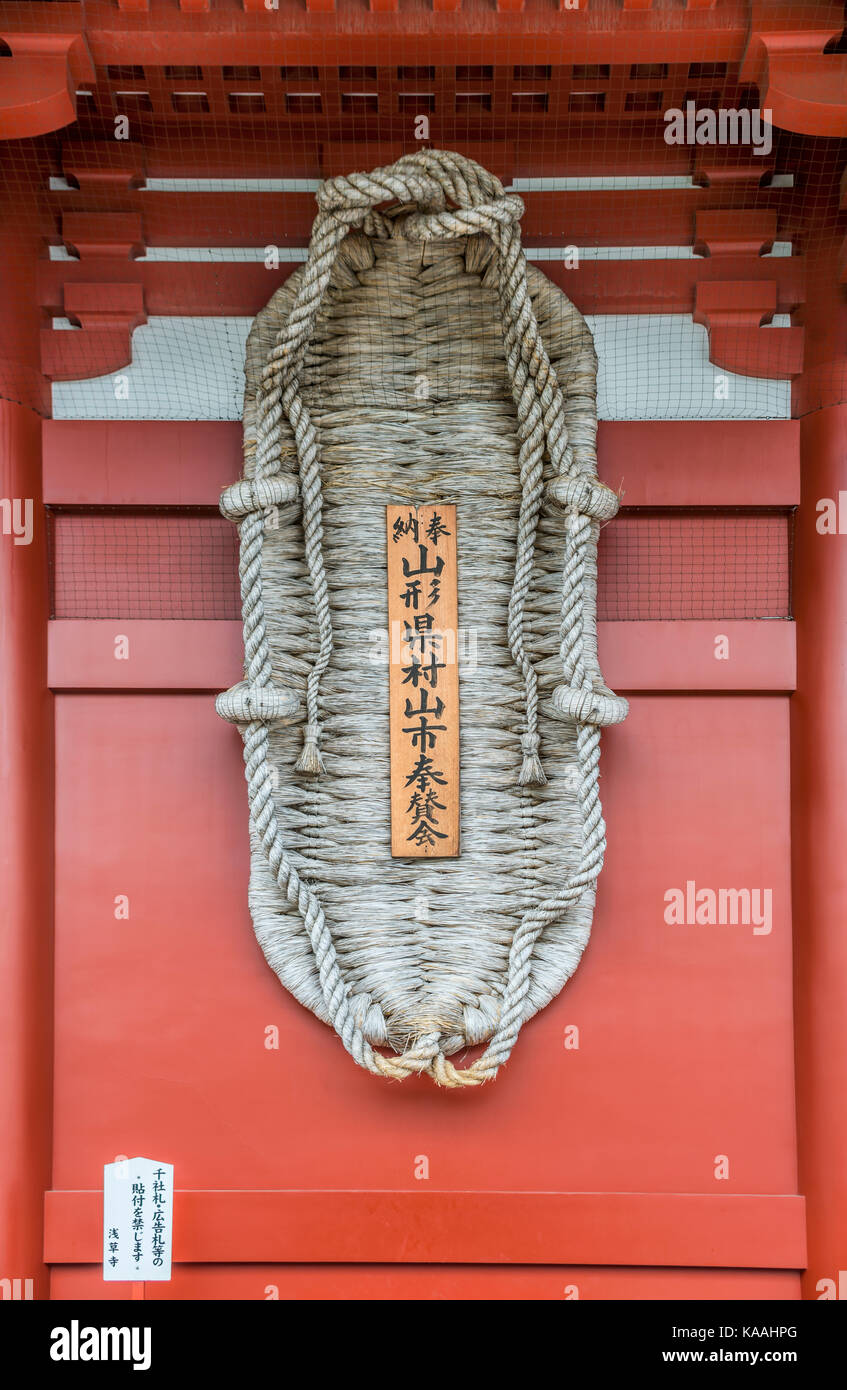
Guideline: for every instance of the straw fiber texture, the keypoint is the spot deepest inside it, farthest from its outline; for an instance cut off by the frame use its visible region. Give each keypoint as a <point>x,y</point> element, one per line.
<point>405,383</point>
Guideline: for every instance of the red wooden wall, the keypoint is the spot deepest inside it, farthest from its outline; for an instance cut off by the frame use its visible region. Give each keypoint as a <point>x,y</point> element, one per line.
<point>660,1158</point>
<point>597,1169</point>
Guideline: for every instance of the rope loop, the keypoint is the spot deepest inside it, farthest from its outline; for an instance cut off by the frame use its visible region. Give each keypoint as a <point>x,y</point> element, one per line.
<point>256,495</point>
<point>349,197</point>
<point>584,495</point>
<point>504,212</point>
<point>243,703</point>
<point>587,706</point>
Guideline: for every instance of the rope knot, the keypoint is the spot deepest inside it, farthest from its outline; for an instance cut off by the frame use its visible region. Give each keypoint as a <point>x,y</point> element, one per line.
<point>492,217</point>
<point>353,197</point>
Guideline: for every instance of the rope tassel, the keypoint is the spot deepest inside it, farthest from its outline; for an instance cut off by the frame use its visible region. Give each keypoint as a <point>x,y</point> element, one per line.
<point>310,759</point>
<point>532,773</point>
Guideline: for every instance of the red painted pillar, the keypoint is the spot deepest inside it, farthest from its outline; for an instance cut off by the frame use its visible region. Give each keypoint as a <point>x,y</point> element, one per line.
<point>819,773</point>
<point>26,761</point>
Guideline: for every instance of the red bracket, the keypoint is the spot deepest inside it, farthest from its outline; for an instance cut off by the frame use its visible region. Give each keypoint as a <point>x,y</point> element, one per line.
<point>715,166</point>
<point>116,235</point>
<point>734,231</point>
<point>734,312</point>
<point>39,82</point>
<point>101,164</point>
<point>107,315</point>
<point>805,88</point>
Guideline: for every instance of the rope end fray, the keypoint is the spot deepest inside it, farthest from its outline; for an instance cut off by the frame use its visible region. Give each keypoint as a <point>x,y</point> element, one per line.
<point>532,772</point>
<point>310,760</point>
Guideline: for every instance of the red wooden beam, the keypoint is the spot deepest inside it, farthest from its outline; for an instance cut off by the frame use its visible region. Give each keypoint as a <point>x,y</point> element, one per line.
<point>109,307</point>
<point>26,779</point>
<point>26,855</point>
<point>617,1228</point>
<point>819,798</point>
<point>310,33</point>
<point>95,463</point>
<point>672,463</point>
<point>606,287</point>
<point>439,1283</point>
<point>224,149</point>
<point>208,655</point>
<point>547,146</point>
<point>615,217</point>
<point>682,655</point>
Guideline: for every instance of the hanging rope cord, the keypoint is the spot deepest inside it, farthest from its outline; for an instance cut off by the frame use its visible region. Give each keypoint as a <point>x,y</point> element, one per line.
<point>429,179</point>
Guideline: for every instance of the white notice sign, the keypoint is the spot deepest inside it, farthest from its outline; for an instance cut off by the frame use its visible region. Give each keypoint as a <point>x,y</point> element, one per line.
<point>137,1219</point>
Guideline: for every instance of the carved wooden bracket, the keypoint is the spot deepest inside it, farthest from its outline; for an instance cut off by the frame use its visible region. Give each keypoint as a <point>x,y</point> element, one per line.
<point>734,231</point>
<point>735,313</point>
<point>38,82</point>
<point>106,315</point>
<point>804,87</point>
<point>116,235</point>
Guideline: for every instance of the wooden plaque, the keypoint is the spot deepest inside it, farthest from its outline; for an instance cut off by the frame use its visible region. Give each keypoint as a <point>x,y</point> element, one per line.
<point>423,678</point>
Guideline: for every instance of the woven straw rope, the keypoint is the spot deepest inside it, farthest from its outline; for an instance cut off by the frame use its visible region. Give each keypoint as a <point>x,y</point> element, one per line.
<point>483,224</point>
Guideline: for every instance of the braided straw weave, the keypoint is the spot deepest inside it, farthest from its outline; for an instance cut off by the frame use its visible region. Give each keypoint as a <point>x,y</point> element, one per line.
<point>417,357</point>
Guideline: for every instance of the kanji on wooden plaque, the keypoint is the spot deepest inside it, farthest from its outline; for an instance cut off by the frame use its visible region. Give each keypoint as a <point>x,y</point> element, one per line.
<point>423,675</point>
